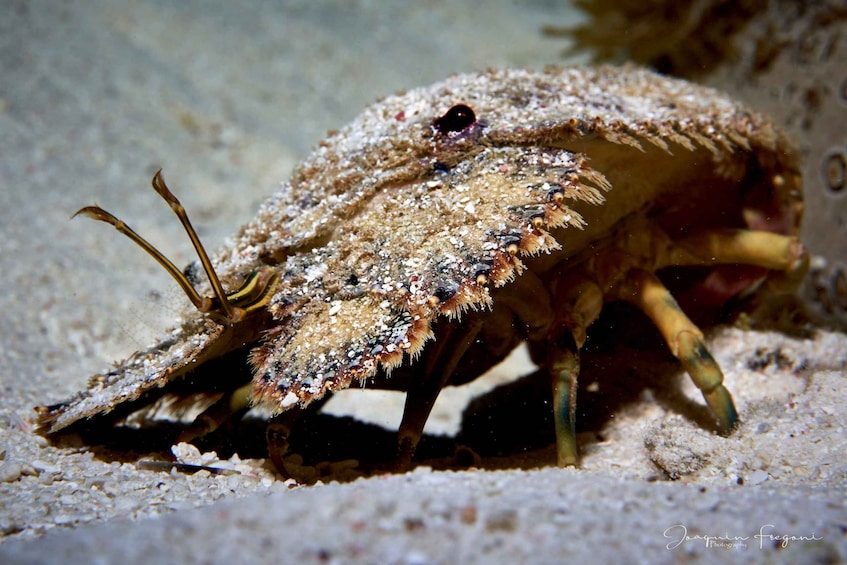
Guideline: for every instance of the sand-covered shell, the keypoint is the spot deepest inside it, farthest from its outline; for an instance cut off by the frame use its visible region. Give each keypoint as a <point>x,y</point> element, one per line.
<point>426,205</point>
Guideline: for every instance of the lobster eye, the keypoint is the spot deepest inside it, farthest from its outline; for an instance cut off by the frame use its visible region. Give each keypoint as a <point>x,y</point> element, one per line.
<point>457,118</point>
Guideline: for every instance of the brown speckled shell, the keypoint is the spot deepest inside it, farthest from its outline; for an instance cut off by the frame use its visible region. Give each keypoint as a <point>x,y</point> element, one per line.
<point>390,224</point>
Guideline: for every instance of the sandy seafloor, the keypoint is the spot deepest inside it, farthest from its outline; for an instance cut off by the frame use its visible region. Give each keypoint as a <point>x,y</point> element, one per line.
<point>97,95</point>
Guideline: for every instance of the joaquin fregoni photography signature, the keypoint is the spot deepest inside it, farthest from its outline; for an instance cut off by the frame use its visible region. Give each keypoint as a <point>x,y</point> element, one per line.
<point>767,536</point>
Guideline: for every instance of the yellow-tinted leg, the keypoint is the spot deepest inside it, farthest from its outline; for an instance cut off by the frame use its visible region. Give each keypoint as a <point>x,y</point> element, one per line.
<point>747,247</point>
<point>685,340</point>
<point>781,253</point>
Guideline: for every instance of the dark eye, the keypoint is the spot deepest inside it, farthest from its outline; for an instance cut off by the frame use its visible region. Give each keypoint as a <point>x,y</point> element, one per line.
<point>457,118</point>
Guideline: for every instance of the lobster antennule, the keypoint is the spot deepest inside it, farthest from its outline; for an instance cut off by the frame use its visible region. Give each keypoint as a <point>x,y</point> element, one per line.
<point>230,313</point>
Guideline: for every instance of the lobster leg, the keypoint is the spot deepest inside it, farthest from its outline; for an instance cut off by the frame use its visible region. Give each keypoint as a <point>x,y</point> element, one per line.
<point>685,340</point>
<point>640,287</point>
<point>576,302</point>
<point>443,355</point>
<point>563,366</point>
<point>749,247</point>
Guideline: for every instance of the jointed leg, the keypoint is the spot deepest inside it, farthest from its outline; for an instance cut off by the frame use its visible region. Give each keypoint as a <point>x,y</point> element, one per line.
<point>645,291</point>
<point>277,436</point>
<point>563,366</point>
<point>577,301</point>
<point>709,247</point>
<point>440,361</point>
<point>211,419</point>
<point>748,247</point>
